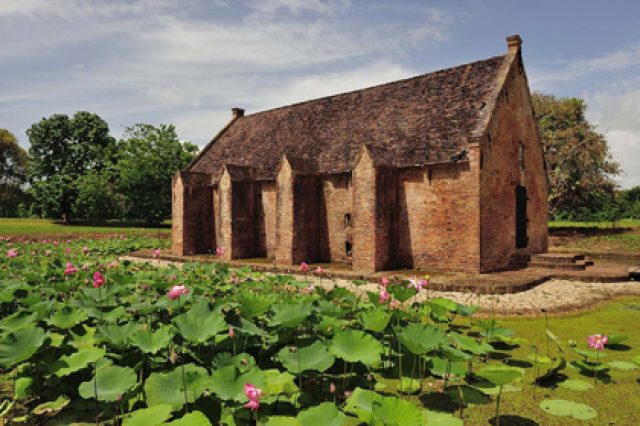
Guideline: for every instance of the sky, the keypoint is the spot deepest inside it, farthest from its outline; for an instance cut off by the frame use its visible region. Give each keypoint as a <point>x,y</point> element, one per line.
<point>188,63</point>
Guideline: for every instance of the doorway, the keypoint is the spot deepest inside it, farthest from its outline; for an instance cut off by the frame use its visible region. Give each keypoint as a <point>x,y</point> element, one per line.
<point>522,239</point>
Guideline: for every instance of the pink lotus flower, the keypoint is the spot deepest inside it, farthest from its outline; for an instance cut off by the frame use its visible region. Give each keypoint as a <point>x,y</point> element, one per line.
<point>332,388</point>
<point>597,341</point>
<point>417,284</point>
<point>85,267</point>
<point>219,251</point>
<point>12,253</point>
<point>385,281</point>
<point>319,270</point>
<point>176,291</point>
<point>384,295</point>
<point>304,267</point>
<point>156,253</point>
<point>395,304</point>
<point>309,289</point>
<point>68,241</point>
<point>231,332</point>
<point>253,393</point>
<point>98,279</point>
<point>70,269</point>
<point>67,250</point>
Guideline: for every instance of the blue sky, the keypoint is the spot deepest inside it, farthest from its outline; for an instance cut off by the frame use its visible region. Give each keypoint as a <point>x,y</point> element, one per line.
<point>188,62</point>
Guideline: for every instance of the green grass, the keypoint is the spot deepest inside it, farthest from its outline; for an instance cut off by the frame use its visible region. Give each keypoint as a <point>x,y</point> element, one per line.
<point>624,223</point>
<point>37,227</point>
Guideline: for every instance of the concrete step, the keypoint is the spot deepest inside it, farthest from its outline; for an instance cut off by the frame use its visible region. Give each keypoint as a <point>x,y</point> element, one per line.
<point>557,258</point>
<point>579,265</point>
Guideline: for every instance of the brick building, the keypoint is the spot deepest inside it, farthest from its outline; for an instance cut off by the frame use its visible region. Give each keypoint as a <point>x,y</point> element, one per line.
<point>443,171</point>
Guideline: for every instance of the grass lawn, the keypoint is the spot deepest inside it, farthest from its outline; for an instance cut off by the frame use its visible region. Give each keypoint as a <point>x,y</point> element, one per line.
<point>38,227</point>
<point>624,223</point>
<point>622,236</point>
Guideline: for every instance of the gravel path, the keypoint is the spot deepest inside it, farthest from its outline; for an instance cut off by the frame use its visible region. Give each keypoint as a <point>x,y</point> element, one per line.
<point>553,295</point>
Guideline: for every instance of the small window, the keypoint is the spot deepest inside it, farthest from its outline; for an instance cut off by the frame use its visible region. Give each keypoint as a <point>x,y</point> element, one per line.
<point>347,221</point>
<point>347,248</point>
<point>481,160</point>
<point>521,156</point>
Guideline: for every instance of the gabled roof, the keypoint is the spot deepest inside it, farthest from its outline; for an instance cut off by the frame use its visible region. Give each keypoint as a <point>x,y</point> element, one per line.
<point>421,120</point>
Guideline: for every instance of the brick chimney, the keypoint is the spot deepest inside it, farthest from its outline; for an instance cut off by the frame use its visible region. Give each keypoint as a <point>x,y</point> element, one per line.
<point>515,43</point>
<point>237,112</point>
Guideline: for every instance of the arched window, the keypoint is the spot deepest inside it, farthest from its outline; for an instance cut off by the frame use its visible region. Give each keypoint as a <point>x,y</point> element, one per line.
<point>347,221</point>
<point>347,248</point>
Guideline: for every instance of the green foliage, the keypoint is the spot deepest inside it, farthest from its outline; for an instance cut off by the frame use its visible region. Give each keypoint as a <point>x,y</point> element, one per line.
<point>564,408</point>
<point>13,163</point>
<point>579,164</point>
<point>149,158</point>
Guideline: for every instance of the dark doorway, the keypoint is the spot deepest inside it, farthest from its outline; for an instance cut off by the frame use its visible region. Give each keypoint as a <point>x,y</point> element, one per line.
<point>521,217</point>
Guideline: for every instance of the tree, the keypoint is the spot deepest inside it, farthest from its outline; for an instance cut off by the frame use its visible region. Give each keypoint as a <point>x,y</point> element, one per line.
<point>62,150</point>
<point>13,163</point>
<point>149,157</point>
<point>580,166</point>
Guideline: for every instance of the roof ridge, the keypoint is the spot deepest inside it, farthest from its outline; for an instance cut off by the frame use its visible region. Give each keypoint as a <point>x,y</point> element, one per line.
<point>373,87</point>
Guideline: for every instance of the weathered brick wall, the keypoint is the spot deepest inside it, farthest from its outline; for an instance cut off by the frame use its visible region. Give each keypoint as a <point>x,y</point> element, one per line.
<point>338,199</point>
<point>439,217</point>
<point>226,210</point>
<point>386,232</point>
<point>284,215</point>
<point>192,212</point>
<point>512,123</point>
<point>247,220</point>
<point>364,214</point>
<point>311,241</point>
<point>177,215</point>
<point>268,195</point>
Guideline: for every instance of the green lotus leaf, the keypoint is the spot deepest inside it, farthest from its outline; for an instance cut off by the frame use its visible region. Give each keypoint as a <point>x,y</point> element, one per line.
<point>395,411</point>
<point>22,387</point>
<point>313,357</point>
<point>401,292</point>
<point>466,310</point>
<point>576,385</point>
<point>199,325</point>
<point>636,359</point>
<point>454,355</point>
<point>325,414</point>
<point>590,354</point>
<point>248,327</point>
<point>356,346</point>
<point>290,315</point>
<point>564,408</point>
<point>20,346</point>
<point>279,383</point>
<point>152,416</point>
<point>557,365</point>
<point>500,375</point>
<point>152,342</point>
<point>5,407</point>
<point>228,382</point>
<point>375,320</point>
<point>361,403</point>
<point>539,359</point>
<point>117,335</point>
<point>328,325</point>
<point>84,341</point>
<point>408,385</point>
<point>115,315</point>
<point>18,321</point>
<point>110,382</point>
<point>622,365</point>
<point>436,418</point>
<point>420,339</point>
<point>282,421</point>
<point>254,304</point>
<point>41,309</point>
<point>68,364</point>
<point>168,388</point>
<point>470,344</point>
<point>488,388</point>
<point>52,407</point>
<point>67,317</point>
<point>447,304</point>
<point>616,339</point>
<point>195,418</point>
<point>591,367</point>
<point>242,362</point>
<point>556,340</point>
<point>440,365</point>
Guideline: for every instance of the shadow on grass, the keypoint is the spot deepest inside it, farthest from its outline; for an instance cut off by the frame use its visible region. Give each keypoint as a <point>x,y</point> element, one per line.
<point>589,231</point>
<point>439,402</point>
<point>511,420</point>
<point>619,347</point>
<point>518,363</point>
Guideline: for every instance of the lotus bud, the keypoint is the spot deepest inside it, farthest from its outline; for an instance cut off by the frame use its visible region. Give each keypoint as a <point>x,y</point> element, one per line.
<point>173,358</point>
<point>369,377</point>
<point>293,349</point>
<point>244,361</point>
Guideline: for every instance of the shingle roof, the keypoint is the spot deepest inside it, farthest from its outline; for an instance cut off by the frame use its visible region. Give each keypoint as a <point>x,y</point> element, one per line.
<point>420,120</point>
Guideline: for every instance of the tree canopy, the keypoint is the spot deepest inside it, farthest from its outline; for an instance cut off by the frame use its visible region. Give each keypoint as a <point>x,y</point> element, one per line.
<point>579,162</point>
<point>13,163</point>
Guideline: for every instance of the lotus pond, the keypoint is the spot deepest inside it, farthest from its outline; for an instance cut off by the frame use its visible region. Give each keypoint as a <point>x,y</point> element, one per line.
<point>85,339</point>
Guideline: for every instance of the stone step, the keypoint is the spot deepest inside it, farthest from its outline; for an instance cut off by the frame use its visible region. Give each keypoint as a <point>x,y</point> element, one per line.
<point>557,258</point>
<point>579,265</point>
<point>634,272</point>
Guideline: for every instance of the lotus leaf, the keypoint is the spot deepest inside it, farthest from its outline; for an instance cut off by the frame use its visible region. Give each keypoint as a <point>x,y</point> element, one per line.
<point>622,365</point>
<point>249,328</point>
<point>420,339</point>
<point>616,339</point>
<point>20,345</point>
<point>454,355</point>
<point>52,407</point>
<point>590,354</point>
<point>282,421</point>
<point>356,346</point>
<point>116,314</point>
<point>118,335</point>
<point>313,357</point>
<point>361,403</point>
<point>254,304</point>
<point>109,382</point>
<point>409,385</point>
<point>500,375</point>
<point>395,411</point>
<point>564,408</point>
<point>83,341</point>
<point>279,383</point>
<point>466,310</point>
<point>439,367</point>
<point>152,342</point>
<point>68,364</point>
<point>195,418</point>
<point>22,387</point>
<point>228,383</point>
<point>325,414</point>
<point>198,325</point>
<point>375,320</point>
<point>557,365</point>
<point>152,416</point>
<point>636,359</point>
<point>436,418</point>
<point>402,292</point>
<point>539,359</point>
<point>290,315</point>
<point>470,344</point>
<point>242,362</point>
<point>169,387</point>
<point>576,385</point>
<point>18,321</point>
<point>555,339</point>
